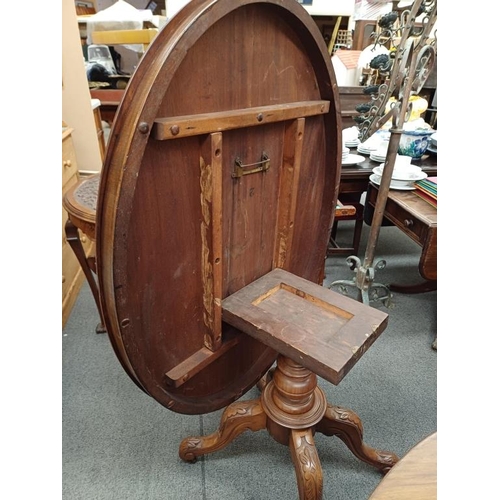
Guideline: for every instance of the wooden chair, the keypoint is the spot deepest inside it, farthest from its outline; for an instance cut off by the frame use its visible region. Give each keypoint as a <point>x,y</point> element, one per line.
<point>353,211</point>
<point>80,202</point>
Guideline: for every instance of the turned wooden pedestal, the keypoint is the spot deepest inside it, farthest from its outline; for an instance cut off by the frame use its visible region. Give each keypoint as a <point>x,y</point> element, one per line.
<point>316,331</point>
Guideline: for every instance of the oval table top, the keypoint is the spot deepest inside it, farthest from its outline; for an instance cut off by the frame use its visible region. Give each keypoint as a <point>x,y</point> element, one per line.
<point>414,477</point>
<point>219,153</point>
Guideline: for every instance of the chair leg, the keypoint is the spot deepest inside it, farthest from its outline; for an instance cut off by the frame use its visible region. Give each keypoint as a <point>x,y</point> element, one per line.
<point>75,243</point>
<point>333,247</point>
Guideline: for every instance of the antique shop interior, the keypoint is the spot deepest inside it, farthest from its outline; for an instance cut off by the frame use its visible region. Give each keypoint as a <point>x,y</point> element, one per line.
<point>249,250</point>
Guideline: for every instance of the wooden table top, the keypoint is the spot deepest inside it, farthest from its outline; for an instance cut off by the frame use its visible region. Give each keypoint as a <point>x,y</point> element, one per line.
<point>415,206</point>
<point>414,477</point>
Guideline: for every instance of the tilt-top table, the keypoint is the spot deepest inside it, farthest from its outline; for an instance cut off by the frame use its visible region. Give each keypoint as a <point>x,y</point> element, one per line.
<point>215,207</point>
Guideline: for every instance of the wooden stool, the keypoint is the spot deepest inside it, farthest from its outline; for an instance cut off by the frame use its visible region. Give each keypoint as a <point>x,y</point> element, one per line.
<point>353,211</point>
<point>315,331</point>
<point>80,202</point>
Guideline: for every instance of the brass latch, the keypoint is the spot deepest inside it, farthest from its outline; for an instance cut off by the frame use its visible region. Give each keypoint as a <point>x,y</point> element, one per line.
<point>251,168</point>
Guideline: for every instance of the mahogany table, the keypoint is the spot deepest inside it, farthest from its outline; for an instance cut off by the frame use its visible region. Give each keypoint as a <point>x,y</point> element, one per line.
<point>418,220</point>
<point>354,179</point>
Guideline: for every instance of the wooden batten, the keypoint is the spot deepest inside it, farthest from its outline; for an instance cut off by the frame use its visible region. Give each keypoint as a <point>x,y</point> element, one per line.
<point>206,123</point>
<point>289,183</point>
<point>195,363</point>
<point>211,235</point>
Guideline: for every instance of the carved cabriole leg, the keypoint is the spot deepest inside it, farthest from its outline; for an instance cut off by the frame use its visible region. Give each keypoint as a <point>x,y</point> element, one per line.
<point>307,465</point>
<point>237,418</point>
<point>347,426</point>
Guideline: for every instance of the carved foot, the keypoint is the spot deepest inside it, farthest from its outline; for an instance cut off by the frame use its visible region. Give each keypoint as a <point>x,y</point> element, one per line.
<point>100,328</point>
<point>347,426</point>
<point>307,465</point>
<point>237,418</point>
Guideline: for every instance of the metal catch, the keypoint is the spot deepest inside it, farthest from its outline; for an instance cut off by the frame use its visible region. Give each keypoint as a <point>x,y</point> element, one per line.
<point>251,168</point>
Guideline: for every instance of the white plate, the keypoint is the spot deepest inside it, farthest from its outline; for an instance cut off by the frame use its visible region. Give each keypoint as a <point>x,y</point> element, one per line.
<point>380,159</point>
<point>367,147</point>
<point>365,151</point>
<point>353,160</point>
<point>351,144</point>
<point>374,178</point>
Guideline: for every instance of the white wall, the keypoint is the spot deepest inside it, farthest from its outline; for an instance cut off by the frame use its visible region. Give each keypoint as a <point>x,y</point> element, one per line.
<point>330,8</point>
<point>173,6</point>
<point>76,105</point>
<point>318,8</point>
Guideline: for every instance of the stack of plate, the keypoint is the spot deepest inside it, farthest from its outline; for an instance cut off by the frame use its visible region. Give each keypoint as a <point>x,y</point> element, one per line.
<point>352,144</point>
<point>345,153</point>
<point>378,156</point>
<point>350,136</point>
<point>402,179</point>
<point>366,148</point>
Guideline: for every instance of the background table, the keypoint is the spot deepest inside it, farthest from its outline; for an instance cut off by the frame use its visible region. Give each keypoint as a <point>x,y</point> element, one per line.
<point>417,219</point>
<point>354,179</point>
<point>414,477</point>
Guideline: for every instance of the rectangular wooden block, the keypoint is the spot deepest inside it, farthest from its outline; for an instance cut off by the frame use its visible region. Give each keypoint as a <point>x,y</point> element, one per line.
<point>322,330</point>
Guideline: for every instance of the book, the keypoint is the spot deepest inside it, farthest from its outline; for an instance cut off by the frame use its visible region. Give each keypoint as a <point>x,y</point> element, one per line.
<point>426,197</point>
<point>426,189</point>
<point>427,185</point>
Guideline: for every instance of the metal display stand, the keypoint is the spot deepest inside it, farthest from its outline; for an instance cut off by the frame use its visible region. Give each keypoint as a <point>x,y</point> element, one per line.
<point>406,74</point>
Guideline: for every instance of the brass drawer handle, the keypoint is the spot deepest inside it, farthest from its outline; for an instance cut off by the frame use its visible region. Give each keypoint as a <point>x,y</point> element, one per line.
<point>408,223</point>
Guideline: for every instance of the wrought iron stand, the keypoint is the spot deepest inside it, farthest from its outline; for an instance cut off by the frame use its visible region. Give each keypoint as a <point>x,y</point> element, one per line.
<point>406,75</point>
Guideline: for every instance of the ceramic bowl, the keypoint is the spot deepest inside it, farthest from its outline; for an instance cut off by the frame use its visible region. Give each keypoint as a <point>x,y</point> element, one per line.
<point>411,173</point>
<point>394,183</point>
<point>402,177</point>
<point>414,143</point>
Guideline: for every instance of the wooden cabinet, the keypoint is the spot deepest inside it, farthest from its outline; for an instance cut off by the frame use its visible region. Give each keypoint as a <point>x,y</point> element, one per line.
<point>72,274</point>
<point>350,97</point>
